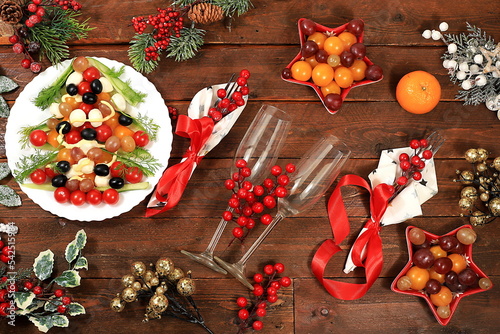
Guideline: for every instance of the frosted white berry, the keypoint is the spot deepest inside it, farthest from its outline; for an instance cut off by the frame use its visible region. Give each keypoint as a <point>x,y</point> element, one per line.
<point>445,63</point>
<point>474,69</point>
<point>461,75</point>
<point>497,64</point>
<point>426,34</point>
<point>481,80</point>
<point>463,67</point>
<point>495,74</point>
<point>452,64</point>
<point>478,59</point>
<point>443,26</point>
<point>452,48</point>
<point>436,35</point>
<point>466,85</point>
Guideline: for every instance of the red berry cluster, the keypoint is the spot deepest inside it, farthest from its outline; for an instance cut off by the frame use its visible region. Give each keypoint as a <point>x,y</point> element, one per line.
<point>174,113</point>
<point>412,166</point>
<point>166,24</point>
<point>231,98</point>
<point>264,293</point>
<point>6,252</point>
<point>35,12</point>
<point>249,201</point>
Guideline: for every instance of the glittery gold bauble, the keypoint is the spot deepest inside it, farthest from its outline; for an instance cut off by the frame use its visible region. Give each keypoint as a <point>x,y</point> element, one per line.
<point>465,203</point>
<point>494,206</point>
<point>469,192</point>
<point>186,286</point>
<point>483,154</point>
<point>160,290</point>
<point>148,275</point>
<point>127,280</point>
<point>164,266</point>
<point>484,197</point>
<point>129,295</point>
<point>138,268</point>
<point>481,167</point>
<point>478,218</point>
<point>117,304</point>
<point>467,176</point>
<point>175,275</point>
<point>158,303</point>
<point>496,163</point>
<point>471,155</point>
<point>136,286</point>
<point>154,281</point>
<point>150,314</point>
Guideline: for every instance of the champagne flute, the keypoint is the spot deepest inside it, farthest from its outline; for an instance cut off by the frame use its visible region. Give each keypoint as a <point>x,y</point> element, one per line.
<point>314,174</point>
<point>259,148</point>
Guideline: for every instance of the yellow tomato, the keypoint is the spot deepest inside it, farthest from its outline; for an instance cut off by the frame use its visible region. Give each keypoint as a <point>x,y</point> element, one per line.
<point>418,277</point>
<point>319,38</point>
<point>331,88</point>
<point>438,252</point>
<point>121,131</point>
<point>72,101</point>
<point>312,61</point>
<point>437,276</point>
<point>459,262</point>
<point>301,70</point>
<point>334,45</point>
<point>52,138</point>
<point>358,70</point>
<point>343,77</point>
<point>442,298</point>
<point>113,121</point>
<point>103,97</point>
<point>322,74</point>
<point>65,155</point>
<point>348,39</point>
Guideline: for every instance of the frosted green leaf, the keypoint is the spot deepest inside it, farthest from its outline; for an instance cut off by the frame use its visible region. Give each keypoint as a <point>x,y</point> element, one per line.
<point>60,321</point>
<point>75,309</point>
<point>23,299</point>
<point>42,323</point>
<point>34,306</point>
<point>52,304</point>
<point>4,170</point>
<point>9,197</point>
<point>81,239</point>
<point>71,251</point>
<point>6,84</point>
<point>44,264</point>
<point>4,108</point>
<point>82,263</point>
<point>68,279</point>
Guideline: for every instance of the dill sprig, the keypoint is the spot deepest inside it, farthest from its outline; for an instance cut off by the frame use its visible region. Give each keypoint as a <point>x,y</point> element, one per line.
<point>27,164</point>
<point>51,93</point>
<point>25,132</point>
<point>147,125</point>
<point>141,159</point>
<point>137,53</point>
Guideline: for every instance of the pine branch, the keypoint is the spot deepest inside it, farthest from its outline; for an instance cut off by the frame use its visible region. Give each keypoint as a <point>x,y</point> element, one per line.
<point>183,3</point>
<point>232,7</point>
<point>137,53</point>
<point>66,26</point>
<point>50,46</point>
<point>185,47</point>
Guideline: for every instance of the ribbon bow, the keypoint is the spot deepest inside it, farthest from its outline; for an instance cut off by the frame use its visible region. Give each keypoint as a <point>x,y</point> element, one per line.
<point>174,180</point>
<point>366,250</point>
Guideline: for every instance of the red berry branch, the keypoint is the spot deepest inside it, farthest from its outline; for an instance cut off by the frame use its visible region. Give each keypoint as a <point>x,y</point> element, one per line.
<point>231,97</point>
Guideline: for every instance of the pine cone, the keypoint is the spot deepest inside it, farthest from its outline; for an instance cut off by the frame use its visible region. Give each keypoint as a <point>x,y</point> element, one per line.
<point>205,13</point>
<point>11,12</point>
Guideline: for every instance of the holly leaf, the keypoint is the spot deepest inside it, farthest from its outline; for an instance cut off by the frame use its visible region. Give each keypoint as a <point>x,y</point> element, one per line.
<point>44,264</point>
<point>52,304</point>
<point>42,323</point>
<point>23,299</point>
<point>60,320</point>
<point>4,108</point>
<point>82,263</point>
<point>6,84</point>
<point>81,239</point>
<point>75,309</point>
<point>9,197</point>
<point>4,170</point>
<point>68,279</point>
<point>71,251</point>
<point>37,303</point>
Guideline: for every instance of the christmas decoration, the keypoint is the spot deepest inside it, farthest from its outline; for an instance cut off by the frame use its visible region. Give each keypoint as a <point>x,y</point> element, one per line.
<point>6,85</point>
<point>8,196</point>
<point>46,27</point>
<point>322,50</point>
<point>27,294</point>
<point>212,113</point>
<point>166,288</point>
<point>265,293</point>
<point>480,196</point>
<point>440,269</point>
<point>167,33</point>
<point>403,181</point>
<point>473,62</point>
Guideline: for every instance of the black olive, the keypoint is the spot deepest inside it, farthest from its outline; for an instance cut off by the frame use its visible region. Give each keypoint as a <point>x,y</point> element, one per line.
<point>125,120</point>
<point>116,183</point>
<point>71,89</point>
<point>64,166</point>
<point>63,127</point>
<point>59,180</point>
<point>101,169</point>
<point>96,86</point>
<point>89,134</point>
<point>89,98</point>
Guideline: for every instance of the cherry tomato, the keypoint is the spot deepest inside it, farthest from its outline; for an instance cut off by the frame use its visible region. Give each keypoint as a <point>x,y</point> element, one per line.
<point>348,39</point>
<point>141,138</point>
<point>110,196</point>
<point>77,197</point>
<point>438,252</point>
<point>343,77</point>
<point>91,73</point>
<point>442,298</point>
<point>358,70</point>
<point>52,138</point>
<point>301,70</point>
<point>121,131</point>
<point>117,169</point>
<point>322,75</point>
<point>65,155</point>
<point>73,137</point>
<point>61,195</point>
<point>38,176</point>
<point>86,107</point>
<point>418,277</point>
<point>94,197</point>
<point>133,175</point>
<point>50,172</point>
<point>103,133</point>
<point>38,138</point>
<point>459,262</point>
<point>334,45</point>
<point>83,87</point>
<point>113,121</point>
<point>319,38</point>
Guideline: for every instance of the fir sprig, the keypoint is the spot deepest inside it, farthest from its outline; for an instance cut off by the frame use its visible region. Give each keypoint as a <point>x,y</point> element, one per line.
<point>50,45</point>
<point>232,7</point>
<point>27,164</point>
<point>66,25</point>
<point>137,53</point>
<point>186,45</point>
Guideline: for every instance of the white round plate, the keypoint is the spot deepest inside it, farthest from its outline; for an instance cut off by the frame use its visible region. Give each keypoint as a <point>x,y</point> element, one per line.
<point>25,113</point>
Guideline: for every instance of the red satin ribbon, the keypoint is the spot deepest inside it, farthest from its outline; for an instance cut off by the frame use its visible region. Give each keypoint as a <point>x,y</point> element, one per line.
<point>174,180</point>
<point>371,258</point>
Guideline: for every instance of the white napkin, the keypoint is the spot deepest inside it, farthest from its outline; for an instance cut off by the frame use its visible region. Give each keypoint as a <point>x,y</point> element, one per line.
<point>407,204</point>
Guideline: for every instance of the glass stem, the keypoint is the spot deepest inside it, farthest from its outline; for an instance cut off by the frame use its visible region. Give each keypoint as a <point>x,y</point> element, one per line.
<point>217,235</point>
<point>260,239</point>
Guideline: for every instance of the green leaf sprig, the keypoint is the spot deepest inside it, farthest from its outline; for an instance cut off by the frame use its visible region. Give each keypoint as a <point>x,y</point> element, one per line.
<point>27,164</point>
<point>51,93</point>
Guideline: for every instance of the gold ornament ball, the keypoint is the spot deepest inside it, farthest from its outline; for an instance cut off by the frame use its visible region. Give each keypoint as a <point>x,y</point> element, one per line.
<point>129,295</point>
<point>186,286</point>
<point>496,163</point>
<point>175,275</point>
<point>158,303</point>
<point>482,167</point>
<point>164,266</point>
<point>150,314</point>
<point>469,192</point>
<point>128,280</point>
<point>138,268</point>
<point>467,236</point>
<point>471,155</point>
<point>494,205</point>
<point>465,203</point>
<point>154,281</point>
<point>483,154</point>
<point>484,197</point>
<point>160,290</point>
<point>117,304</point>
<point>148,275</point>
<point>478,218</point>
<point>467,176</point>
<point>136,286</point>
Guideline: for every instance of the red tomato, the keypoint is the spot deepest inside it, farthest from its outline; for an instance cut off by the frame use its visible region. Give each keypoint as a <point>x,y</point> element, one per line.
<point>84,87</point>
<point>73,137</point>
<point>94,197</point>
<point>117,169</point>
<point>133,175</point>
<point>38,176</point>
<point>103,133</point>
<point>38,138</point>
<point>86,107</point>
<point>141,138</point>
<point>61,195</point>
<point>77,197</point>
<point>50,172</point>
<point>110,196</point>
<point>85,125</point>
<point>91,74</point>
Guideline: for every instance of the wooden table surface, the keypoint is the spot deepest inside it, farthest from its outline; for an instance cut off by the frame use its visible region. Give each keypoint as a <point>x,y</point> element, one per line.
<point>265,40</point>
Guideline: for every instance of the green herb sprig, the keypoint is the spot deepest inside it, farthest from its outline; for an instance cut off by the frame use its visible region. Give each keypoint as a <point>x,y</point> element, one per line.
<point>147,125</point>
<point>141,159</point>
<point>27,164</point>
<point>50,94</point>
<point>27,130</point>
